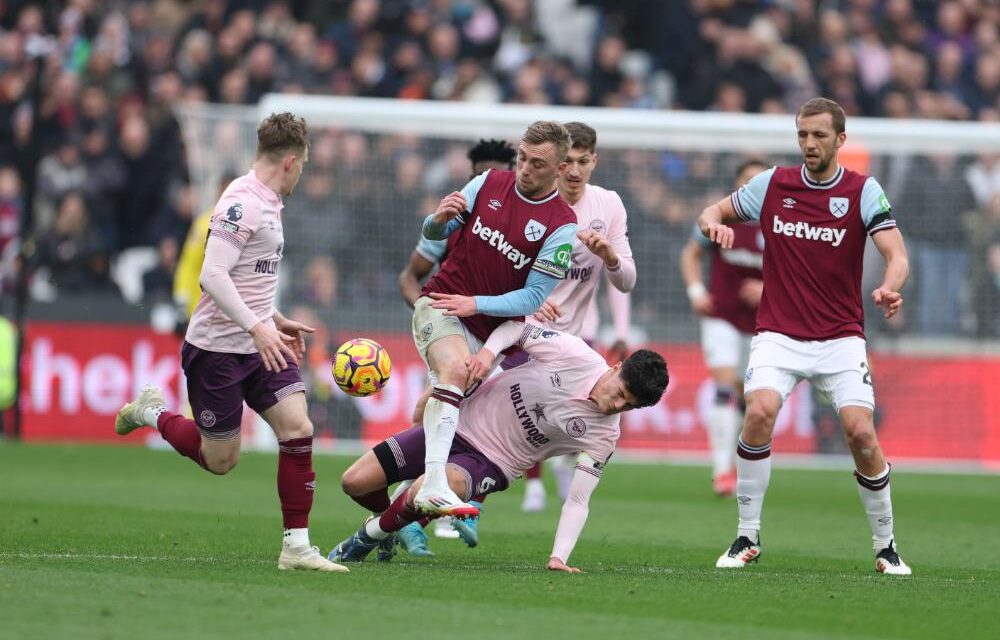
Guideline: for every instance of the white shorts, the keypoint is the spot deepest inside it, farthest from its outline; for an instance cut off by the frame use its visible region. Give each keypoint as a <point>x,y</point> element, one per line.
<point>837,368</point>
<point>430,325</point>
<point>724,345</point>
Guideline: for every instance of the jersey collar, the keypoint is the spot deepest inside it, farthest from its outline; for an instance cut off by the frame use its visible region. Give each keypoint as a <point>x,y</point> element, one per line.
<point>555,192</point>
<point>822,184</point>
<point>269,195</point>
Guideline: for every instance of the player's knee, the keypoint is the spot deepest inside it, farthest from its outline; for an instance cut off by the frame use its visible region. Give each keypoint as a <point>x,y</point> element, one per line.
<point>860,436</point>
<point>302,428</point>
<point>454,373</point>
<point>351,482</point>
<point>760,417</point>
<point>222,465</point>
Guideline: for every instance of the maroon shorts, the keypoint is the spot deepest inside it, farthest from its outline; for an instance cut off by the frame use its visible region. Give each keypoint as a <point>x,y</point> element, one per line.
<point>402,458</point>
<point>219,383</point>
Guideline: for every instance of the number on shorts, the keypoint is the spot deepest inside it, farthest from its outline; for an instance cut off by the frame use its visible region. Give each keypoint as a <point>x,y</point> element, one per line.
<point>866,377</point>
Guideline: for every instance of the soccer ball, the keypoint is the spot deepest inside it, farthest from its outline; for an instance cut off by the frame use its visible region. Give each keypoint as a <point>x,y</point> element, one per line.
<point>361,367</point>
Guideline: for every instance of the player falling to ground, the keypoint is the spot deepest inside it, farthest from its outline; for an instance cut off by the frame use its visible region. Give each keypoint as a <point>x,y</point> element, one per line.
<point>810,324</point>
<point>515,239</point>
<point>239,347</point>
<point>728,310</point>
<point>601,250</point>
<point>564,400</point>
<point>485,155</point>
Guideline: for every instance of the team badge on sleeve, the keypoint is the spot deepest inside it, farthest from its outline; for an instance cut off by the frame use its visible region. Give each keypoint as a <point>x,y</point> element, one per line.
<point>534,230</point>
<point>839,206</point>
<point>235,212</point>
<point>576,427</point>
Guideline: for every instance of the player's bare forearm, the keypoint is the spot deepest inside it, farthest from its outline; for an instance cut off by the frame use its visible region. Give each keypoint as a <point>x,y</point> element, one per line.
<point>409,287</point>
<point>412,275</point>
<point>691,263</point>
<point>897,262</point>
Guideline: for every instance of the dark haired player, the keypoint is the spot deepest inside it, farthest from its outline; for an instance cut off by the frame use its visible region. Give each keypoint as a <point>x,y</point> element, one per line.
<point>564,400</point>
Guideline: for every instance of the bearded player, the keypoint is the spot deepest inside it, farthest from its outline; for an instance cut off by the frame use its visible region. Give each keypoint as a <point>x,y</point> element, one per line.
<point>816,218</point>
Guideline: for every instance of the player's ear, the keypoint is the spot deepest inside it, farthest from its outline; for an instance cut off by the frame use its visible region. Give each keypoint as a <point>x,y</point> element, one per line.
<point>841,139</point>
<point>593,160</point>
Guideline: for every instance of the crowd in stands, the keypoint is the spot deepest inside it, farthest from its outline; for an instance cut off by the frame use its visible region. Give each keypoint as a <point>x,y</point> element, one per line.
<point>112,172</point>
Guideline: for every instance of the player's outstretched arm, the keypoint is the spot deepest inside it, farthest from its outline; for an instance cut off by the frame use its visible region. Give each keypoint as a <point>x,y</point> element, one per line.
<point>574,514</point>
<point>887,296</point>
<point>548,270</point>
<point>517,303</point>
<point>715,220</point>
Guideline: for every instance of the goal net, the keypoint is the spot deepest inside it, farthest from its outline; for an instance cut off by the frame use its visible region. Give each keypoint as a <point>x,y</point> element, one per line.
<point>378,167</point>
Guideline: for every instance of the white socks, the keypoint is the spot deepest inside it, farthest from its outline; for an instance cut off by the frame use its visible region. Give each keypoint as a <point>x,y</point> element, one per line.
<point>374,531</point>
<point>723,423</point>
<point>440,424</point>
<point>150,415</point>
<point>753,474</point>
<point>296,537</point>
<point>877,500</point>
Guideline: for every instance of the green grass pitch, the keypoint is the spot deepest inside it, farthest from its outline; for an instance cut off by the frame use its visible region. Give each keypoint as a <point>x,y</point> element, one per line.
<point>99,542</point>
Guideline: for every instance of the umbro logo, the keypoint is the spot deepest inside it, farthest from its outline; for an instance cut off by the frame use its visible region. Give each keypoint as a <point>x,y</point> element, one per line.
<point>789,203</point>
<point>494,204</point>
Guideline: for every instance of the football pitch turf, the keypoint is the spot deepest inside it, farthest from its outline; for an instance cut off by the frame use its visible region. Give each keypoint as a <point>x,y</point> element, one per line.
<point>105,542</point>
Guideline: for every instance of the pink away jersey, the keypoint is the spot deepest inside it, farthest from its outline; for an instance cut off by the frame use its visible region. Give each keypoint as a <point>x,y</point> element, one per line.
<point>602,211</point>
<point>814,242</point>
<point>540,409</point>
<point>247,218</point>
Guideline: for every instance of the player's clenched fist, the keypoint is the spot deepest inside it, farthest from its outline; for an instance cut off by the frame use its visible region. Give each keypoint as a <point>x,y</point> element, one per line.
<point>450,207</point>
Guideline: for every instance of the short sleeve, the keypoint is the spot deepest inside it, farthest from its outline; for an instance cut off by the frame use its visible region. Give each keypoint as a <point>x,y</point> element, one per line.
<point>432,250</point>
<point>472,188</point>
<point>235,220</point>
<point>749,199</point>
<point>876,212</point>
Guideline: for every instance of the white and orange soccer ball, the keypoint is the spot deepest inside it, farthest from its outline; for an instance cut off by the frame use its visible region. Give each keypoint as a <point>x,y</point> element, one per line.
<point>361,367</point>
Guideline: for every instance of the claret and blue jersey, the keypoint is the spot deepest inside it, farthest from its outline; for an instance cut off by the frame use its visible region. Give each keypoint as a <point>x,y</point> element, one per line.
<point>510,251</point>
<point>816,230</point>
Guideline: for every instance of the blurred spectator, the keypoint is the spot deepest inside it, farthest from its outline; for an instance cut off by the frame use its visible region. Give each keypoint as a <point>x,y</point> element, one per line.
<point>939,198</point>
<point>107,131</point>
<point>74,253</point>
<point>60,173</point>
<point>158,282</point>
<point>11,207</point>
